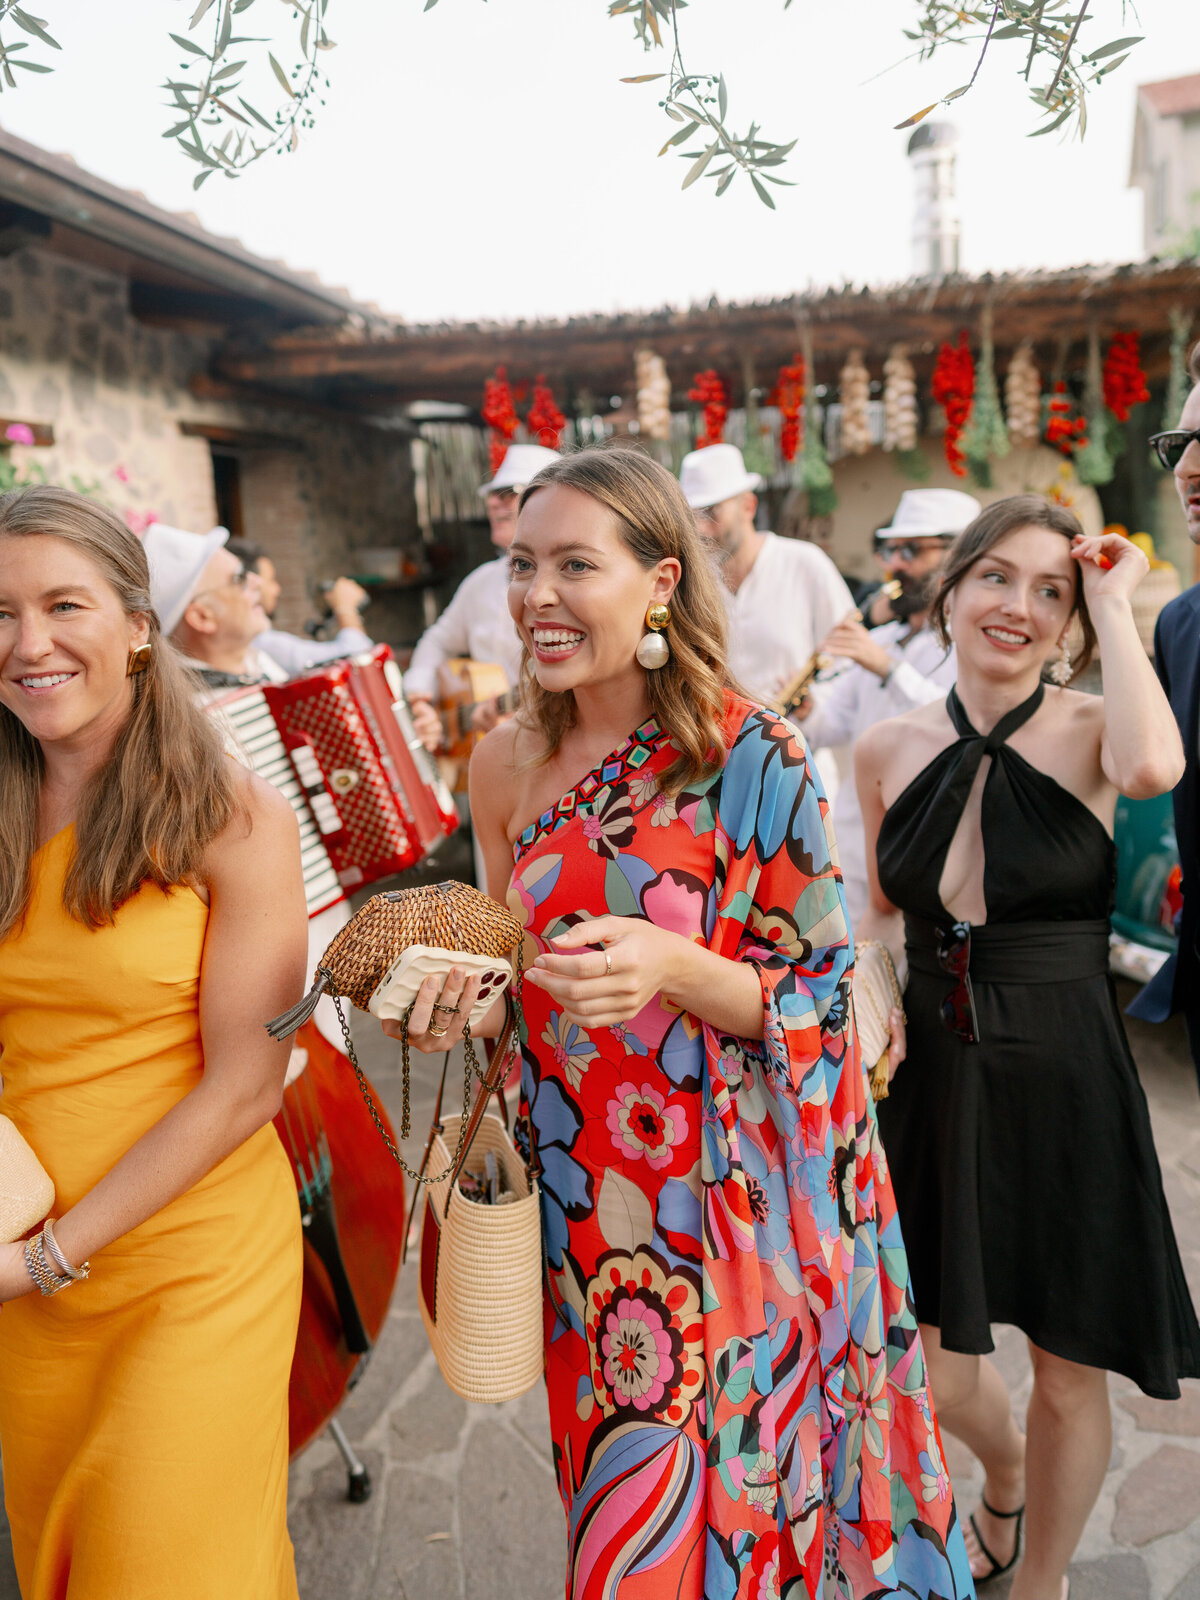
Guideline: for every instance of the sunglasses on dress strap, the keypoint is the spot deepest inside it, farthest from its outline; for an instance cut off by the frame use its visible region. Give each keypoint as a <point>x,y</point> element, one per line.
<point>954,958</point>
<point>1169,446</point>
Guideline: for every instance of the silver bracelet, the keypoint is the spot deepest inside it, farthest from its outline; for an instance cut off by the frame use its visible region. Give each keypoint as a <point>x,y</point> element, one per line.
<point>47,1280</point>
<point>49,1242</point>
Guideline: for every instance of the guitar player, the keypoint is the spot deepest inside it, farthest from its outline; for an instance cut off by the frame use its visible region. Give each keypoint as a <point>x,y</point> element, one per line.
<point>476,623</point>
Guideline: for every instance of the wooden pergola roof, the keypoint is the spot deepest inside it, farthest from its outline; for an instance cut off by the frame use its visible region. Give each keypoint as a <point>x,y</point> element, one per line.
<point>374,371</point>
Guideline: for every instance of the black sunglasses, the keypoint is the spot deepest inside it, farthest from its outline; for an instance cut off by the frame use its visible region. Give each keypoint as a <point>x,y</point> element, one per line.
<point>958,1008</point>
<point>1169,446</point>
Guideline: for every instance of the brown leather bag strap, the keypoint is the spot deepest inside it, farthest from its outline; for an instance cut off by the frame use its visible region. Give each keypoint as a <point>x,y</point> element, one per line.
<point>493,1080</point>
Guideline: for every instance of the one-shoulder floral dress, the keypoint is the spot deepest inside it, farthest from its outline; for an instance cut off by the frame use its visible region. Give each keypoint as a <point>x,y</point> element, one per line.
<point>737,1389</point>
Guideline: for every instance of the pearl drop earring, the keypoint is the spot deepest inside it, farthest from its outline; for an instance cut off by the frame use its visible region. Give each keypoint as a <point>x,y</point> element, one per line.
<point>653,651</point>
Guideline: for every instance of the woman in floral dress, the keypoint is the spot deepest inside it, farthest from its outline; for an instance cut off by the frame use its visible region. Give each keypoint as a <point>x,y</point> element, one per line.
<point>737,1388</point>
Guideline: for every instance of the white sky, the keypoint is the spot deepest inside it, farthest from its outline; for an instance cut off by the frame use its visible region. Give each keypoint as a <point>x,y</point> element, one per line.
<point>482,159</point>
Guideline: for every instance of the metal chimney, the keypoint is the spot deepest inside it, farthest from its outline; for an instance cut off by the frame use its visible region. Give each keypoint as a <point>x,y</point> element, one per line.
<point>936,225</point>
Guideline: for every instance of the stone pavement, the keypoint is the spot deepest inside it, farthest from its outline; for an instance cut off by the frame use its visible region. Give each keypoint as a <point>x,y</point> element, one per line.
<point>465,1505</point>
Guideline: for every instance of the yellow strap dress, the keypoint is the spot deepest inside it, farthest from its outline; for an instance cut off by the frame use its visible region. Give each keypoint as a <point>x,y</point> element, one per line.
<point>143,1414</point>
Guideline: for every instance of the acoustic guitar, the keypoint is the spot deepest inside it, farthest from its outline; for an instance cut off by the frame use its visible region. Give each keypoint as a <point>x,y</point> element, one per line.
<point>463,686</point>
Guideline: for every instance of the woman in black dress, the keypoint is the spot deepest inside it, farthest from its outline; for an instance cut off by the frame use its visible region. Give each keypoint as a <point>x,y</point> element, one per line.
<point>1016,1131</point>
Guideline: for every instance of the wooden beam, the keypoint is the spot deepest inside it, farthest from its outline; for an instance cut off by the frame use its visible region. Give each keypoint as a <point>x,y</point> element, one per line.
<point>164,306</point>
<point>239,438</point>
<point>20,227</point>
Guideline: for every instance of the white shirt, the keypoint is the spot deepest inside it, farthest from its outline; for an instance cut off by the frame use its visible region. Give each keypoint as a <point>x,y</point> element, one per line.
<point>785,605</point>
<point>296,654</point>
<point>476,623</point>
<point>856,700</point>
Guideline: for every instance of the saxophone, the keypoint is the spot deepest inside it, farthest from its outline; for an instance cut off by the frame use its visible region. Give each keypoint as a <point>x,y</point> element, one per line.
<point>820,661</point>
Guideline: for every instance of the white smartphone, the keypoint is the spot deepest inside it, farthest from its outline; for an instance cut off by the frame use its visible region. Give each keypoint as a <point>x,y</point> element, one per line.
<point>398,987</point>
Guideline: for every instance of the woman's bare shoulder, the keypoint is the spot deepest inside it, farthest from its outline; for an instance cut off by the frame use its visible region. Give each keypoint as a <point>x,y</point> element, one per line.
<point>881,739</point>
<point>262,824</point>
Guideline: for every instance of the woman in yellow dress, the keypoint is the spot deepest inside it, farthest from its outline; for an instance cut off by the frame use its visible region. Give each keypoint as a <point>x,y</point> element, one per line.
<point>151,915</point>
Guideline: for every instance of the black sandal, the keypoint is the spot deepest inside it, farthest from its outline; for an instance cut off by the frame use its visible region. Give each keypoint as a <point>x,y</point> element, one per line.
<point>997,1571</point>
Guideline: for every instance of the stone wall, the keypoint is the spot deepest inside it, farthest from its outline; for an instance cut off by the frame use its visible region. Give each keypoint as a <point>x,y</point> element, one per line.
<point>115,391</point>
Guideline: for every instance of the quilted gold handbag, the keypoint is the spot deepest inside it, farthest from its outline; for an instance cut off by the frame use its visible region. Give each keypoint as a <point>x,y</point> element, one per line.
<point>26,1191</point>
<point>876,993</point>
<point>446,924</point>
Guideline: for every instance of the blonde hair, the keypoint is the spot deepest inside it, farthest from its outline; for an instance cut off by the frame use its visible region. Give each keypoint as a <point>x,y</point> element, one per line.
<point>687,694</point>
<point>165,792</point>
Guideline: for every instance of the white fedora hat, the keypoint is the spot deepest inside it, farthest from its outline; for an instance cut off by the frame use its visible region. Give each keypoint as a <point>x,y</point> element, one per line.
<point>521,464</point>
<point>177,562</point>
<point>931,514</point>
<point>714,474</point>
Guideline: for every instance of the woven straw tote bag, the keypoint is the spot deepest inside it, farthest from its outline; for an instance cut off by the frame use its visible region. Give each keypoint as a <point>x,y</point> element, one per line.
<point>26,1192</point>
<point>481,1273</point>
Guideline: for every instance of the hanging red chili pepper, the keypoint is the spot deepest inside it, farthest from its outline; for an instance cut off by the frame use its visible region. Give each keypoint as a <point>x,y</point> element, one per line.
<point>953,386</point>
<point>788,395</point>
<point>1066,429</point>
<point>500,415</point>
<point>709,392</point>
<point>545,421</point>
<point>1123,378</point>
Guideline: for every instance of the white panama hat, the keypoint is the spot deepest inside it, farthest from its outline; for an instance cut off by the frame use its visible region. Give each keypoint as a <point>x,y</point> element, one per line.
<point>931,514</point>
<point>713,474</point>
<point>521,464</point>
<point>177,562</point>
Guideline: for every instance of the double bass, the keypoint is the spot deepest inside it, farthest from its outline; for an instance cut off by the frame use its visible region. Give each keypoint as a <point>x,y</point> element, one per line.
<point>352,1211</point>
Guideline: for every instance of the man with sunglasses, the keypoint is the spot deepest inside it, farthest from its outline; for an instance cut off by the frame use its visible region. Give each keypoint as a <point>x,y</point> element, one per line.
<point>894,667</point>
<point>1176,986</point>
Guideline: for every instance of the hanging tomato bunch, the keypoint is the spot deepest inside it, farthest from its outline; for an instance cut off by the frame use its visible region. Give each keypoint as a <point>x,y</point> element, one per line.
<point>788,395</point>
<point>709,392</point>
<point>1066,429</point>
<point>500,415</point>
<point>953,385</point>
<point>545,421</point>
<point>1124,380</point>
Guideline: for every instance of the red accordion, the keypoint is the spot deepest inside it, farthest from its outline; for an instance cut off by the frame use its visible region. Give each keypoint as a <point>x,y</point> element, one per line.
<point>377,797</point>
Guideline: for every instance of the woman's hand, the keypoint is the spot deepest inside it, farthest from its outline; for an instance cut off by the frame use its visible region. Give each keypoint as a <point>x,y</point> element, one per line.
<point>14,1274</point>
<point>600,988</point>
<point>1111,567</point>
<point>898,1043</point>
<point>439,1012</point>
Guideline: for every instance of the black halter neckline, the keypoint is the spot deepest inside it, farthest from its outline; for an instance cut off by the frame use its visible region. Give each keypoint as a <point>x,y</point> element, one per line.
<point>1004,729</point>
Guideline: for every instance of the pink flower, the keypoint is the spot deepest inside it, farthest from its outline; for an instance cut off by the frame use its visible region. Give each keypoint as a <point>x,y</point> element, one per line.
<point>121,474</point>
<point>19,433</point>
<point>636,1347</point>
<point>643,1125</point>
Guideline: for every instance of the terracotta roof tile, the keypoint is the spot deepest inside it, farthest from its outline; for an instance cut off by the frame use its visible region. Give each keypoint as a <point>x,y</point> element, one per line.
<point>1173,97</point>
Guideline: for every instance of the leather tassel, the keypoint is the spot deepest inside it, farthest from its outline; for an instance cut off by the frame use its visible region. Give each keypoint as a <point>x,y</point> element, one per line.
<point>283,1026</point>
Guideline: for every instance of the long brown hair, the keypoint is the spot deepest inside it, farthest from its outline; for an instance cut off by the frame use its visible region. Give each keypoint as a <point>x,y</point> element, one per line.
<point>996,522</point>
<point>687,694</point>
<point>151,810</point>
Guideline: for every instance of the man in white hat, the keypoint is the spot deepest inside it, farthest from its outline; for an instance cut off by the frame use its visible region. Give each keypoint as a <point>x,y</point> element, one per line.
<point>210,605</point>
<point>477,623</point>
<point>783,595</point>
<point>896,666</point>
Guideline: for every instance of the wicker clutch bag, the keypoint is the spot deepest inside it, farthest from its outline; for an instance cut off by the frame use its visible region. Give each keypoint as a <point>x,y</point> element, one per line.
<point>453,923</point>
<point>26,1192</point>
<point>876,992</point>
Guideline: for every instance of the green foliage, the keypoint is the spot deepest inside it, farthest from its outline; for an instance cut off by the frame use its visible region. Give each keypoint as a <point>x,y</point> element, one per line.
<point>986,438</point>
<point>221,130</point>
<point>816,475</point>
<point>1049,33</point>
<point>913,464</point>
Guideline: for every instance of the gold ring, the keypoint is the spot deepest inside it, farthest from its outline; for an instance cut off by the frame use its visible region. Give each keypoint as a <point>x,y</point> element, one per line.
<point>436,1033</point>
<point>607,964</point>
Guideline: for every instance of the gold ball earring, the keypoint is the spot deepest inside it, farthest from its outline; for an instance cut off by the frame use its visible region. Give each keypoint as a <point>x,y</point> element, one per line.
<point>653,651</point>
